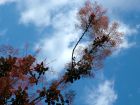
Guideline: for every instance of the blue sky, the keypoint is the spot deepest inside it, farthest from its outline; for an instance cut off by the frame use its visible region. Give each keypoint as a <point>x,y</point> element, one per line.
<point>50,24</point>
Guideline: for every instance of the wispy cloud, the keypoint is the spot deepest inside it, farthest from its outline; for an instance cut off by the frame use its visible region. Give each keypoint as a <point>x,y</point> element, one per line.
<point>41,12</point>
<point>128,32</point>
<point>113,4</point>
<point>103,94</point>
<point>2,2</point>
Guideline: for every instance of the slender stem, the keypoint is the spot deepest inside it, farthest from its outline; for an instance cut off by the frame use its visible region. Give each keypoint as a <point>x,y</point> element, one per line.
<point>87,27</point>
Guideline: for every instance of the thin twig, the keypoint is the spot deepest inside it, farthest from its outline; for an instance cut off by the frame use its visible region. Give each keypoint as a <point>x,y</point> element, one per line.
<point>87,27</point>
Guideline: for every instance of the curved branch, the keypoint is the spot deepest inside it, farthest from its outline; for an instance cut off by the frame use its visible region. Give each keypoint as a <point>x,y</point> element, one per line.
<point>87,27</point>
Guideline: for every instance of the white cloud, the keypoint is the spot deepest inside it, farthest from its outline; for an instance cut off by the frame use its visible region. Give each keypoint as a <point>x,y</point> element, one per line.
<point>128,32</point>
<point>121,4</point>
<point>2,2</point>
<point>104,94</point>
<point>41,12</point>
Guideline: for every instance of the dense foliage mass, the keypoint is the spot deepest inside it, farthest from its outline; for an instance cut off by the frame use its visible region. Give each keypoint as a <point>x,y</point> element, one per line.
<point>19,76</point>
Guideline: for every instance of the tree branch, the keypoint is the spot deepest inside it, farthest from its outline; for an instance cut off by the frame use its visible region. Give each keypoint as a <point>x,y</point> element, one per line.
<point>87,27</point>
